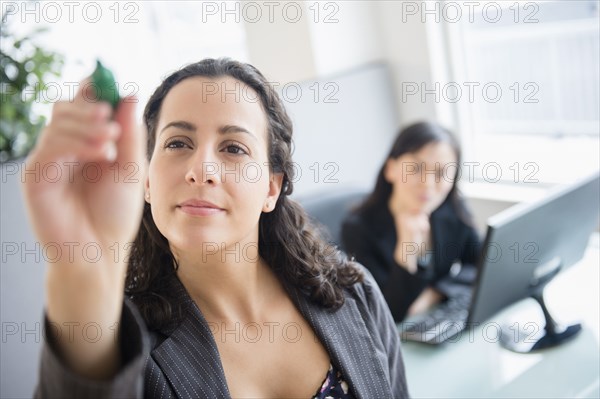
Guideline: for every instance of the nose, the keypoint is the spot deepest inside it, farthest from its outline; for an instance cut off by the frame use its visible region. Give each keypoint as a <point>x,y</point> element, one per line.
<point>429,178</point>
<point>202,169</point>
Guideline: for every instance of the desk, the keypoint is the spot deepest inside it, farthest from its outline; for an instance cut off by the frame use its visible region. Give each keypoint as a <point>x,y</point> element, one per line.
<point>475,365</point>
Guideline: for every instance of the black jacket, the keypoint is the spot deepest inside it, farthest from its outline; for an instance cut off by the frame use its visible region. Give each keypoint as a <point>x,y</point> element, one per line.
<point>371,238</point>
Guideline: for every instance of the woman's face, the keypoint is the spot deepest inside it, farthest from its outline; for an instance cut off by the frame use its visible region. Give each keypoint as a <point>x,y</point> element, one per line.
<point>209,177</point>
<point>422,180</point>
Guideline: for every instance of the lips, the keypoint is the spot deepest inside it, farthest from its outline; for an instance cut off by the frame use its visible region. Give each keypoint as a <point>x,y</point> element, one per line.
<point>424,198</point>
<point>199,207</point>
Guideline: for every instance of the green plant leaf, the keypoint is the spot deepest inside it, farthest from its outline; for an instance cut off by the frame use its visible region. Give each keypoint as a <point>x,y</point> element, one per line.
<point>33,66</point>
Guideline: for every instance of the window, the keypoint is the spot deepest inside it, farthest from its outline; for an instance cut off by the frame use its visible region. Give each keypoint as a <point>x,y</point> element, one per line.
<point>532,68</point>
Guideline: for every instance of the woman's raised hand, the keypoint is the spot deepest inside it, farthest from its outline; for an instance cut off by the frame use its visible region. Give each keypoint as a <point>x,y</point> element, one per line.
<point>413,233</point>
<point>83,185</point>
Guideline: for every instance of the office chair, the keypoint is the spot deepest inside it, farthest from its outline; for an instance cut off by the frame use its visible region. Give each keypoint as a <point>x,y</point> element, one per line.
<point>330,208</point>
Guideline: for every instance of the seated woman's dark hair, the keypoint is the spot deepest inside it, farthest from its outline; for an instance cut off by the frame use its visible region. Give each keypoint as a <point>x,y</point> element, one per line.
<point>410,140</point>
<point>288,242</point>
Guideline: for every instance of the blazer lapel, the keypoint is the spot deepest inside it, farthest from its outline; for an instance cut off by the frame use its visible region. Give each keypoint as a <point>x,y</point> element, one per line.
<point>190,359</point>
<point>350,345</point>
<point>189,356</point>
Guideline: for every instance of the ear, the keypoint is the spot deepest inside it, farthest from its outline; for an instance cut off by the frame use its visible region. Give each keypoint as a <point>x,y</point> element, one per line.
<point>275,182</point>
<point>390,170</point>
<point>147,189</point>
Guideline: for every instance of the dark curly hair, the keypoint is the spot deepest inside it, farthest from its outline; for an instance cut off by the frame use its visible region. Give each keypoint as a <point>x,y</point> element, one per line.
<point>288,242</point>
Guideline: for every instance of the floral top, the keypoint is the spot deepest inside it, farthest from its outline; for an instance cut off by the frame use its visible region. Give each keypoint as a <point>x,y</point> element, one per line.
<point>334,386</point>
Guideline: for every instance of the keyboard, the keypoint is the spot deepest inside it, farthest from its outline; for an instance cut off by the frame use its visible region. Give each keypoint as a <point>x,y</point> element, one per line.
<point>440,323</point>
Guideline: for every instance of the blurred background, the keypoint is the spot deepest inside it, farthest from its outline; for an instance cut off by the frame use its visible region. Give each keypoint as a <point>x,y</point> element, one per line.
<point>517,82</point>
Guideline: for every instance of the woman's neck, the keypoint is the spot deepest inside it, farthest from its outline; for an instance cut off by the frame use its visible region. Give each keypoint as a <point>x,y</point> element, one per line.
<point>229,285</point>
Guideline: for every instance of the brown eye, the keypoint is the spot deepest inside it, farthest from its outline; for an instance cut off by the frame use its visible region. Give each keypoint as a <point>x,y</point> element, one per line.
<point>235,149</point>
<point>176,144</point>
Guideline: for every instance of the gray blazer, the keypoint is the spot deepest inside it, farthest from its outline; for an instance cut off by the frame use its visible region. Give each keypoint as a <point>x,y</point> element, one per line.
<point>182,361</point>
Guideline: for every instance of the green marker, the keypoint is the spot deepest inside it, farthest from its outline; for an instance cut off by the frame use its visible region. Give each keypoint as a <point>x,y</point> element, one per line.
<point>106,90</point>
<point>105,85</point>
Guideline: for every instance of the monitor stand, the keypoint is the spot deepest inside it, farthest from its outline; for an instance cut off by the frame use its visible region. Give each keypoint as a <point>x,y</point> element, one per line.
<point>553,333</point>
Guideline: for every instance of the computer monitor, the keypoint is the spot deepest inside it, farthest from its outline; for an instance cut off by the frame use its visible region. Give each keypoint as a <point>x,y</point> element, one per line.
<point>526,246</point>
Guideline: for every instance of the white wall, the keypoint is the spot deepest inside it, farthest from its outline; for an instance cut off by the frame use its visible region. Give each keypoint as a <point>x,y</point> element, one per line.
<point>406,48</point>
<point>334,37</point>
<point>22,272</point>
<point>328,38</point>
<point>344,35</point>
<point>279,46</point>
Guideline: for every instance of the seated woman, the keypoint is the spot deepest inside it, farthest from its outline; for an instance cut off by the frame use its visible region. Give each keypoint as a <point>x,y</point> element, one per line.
<point>414,225</point>
<point>226,289</point>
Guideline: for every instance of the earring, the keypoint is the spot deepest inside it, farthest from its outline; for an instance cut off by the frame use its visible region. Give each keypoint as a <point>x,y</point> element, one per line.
<point>148,196</point>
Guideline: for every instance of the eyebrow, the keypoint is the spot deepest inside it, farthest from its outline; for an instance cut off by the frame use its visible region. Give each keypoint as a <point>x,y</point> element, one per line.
<point>235,129</point>
<point>190,127</point>
<point>180,125</point>
<point>438,165</point>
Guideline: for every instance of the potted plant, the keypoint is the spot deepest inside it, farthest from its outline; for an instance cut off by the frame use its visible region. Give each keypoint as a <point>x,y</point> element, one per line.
<point>25,70</point>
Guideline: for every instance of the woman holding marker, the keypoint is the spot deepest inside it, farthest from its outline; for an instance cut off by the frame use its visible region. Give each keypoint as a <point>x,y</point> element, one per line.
<point>414,225</point>
<point>189,322</point>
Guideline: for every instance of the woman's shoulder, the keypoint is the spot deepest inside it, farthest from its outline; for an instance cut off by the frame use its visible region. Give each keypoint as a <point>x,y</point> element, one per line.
<point>352,229</point>
<point>353,219</point>
<point>367,290</point>
<point>372,220</point>
<point>456,212</point>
